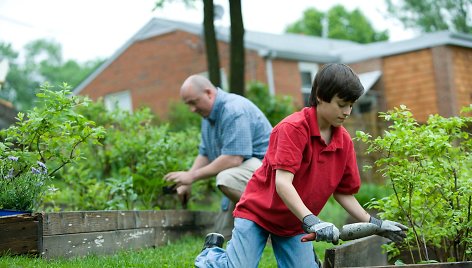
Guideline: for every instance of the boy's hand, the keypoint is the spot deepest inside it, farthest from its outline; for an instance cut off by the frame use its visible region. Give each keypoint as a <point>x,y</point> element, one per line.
<point>324,231</point>
<point>390,229</point>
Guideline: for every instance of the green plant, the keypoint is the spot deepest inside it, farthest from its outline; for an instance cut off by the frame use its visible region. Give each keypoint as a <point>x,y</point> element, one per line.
<point>130,166</point>
<point>181,118</point>
<point>429,169</point>
<point>22,185</point>
<point>275,108</point>
<point>370,192</point>
<point>43,141</point>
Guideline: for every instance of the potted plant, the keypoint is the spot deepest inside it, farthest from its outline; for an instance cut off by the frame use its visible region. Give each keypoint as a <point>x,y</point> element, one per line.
<point>40,143</point>
<point>429,168</point>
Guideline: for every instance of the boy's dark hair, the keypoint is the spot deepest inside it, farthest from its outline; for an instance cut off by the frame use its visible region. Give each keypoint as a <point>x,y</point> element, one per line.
<point>335,79</point>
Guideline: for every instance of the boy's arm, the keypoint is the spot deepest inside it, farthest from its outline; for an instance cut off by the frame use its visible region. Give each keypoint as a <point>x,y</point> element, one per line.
<point>352,206</point>
<point>316,229</point>
<point>288,194</point>
<point>392,230</point>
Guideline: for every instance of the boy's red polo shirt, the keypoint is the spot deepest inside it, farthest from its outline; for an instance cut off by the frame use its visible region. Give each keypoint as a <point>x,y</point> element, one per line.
<point>319,170</point>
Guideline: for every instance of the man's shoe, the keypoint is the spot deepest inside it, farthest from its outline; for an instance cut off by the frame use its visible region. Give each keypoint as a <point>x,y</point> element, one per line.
<point>213,240</point>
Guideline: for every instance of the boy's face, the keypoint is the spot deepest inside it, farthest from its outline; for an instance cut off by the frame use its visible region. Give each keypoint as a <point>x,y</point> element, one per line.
<point>335,112</point>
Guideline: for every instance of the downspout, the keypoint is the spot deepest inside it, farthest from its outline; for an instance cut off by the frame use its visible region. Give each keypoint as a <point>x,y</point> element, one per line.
<point>268,56</point>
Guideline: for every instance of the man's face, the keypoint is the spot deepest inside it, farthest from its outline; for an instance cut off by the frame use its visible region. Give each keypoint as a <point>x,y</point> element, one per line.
<point>200,102</point>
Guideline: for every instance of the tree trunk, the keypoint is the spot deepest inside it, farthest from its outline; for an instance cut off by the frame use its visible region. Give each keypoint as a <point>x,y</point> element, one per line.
<point>237,83</point>
<point>211,45</point>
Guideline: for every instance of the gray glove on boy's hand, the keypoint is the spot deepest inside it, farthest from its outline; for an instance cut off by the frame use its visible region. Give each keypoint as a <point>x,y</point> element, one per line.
<point>390,229</point>
<point>325,231</point>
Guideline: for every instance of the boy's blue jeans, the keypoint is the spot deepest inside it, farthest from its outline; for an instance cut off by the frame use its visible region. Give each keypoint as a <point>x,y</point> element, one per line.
<point>246,246</point>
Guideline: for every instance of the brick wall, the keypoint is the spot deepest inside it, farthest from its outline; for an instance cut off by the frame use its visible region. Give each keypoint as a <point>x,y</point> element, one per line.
<point>409,80</point>
<point>462,59</point>
<point>154,69</point>
<point>287,80</point>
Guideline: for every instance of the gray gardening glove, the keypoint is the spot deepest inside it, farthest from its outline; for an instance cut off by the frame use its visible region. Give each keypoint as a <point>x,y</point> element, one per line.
<point>389,229</point>
<point>325,231</point>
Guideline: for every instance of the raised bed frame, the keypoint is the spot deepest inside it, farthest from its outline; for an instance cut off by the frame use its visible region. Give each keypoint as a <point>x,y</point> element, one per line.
<point>72,234</point>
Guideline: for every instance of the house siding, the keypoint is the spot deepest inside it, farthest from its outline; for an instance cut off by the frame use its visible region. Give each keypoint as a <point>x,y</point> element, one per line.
<point>287,80</point>
<point>462,58</point>
<point>153,70</point>
<point>409,80</point>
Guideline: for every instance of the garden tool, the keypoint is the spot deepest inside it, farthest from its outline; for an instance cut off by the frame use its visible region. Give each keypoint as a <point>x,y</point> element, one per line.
<point>364,229</point>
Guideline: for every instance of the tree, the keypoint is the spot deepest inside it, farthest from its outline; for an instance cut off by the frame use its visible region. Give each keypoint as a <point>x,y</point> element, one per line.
<point>341,24</point>
<point>237,52</point>
<point>211,44</point>
<point>433,15</point>
<point>43,62</point>
<point>237,60</point>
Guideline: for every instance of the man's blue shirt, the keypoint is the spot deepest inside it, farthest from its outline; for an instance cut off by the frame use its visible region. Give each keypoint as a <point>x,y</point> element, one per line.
<point>235,126</point>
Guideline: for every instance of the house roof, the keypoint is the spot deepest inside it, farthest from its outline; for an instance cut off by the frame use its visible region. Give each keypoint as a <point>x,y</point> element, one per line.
<point>293,46</point>
<point>383,49</point>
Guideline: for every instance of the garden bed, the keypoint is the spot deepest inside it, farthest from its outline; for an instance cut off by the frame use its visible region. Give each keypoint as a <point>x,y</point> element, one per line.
<point>367,252</point>
<point>72,234</point>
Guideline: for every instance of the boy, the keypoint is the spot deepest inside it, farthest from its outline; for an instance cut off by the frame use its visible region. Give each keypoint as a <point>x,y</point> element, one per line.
<point>310,157</point>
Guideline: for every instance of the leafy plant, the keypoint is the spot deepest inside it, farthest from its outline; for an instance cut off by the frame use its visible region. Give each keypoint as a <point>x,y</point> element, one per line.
<point>22,185</point>
<point>429,168</point>
<point>130,166</point>
<point>41,143</point>
<point>275,108</point>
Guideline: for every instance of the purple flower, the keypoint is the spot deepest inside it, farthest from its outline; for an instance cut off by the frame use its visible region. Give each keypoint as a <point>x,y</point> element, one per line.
<point>10,174</point>
<point>35,170</point>
<point>43,166</point>
<point>13,158</point>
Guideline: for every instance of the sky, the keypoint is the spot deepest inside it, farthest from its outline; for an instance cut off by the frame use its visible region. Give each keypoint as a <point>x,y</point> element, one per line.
<point>91,29</point>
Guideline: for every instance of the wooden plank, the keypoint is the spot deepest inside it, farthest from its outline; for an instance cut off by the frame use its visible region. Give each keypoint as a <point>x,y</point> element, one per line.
<point>362,252</point>
<point>19,218</point>
<point>96,243</point>
<point>20,236</point>
<point>97,221</point>
<point>80,222</point>
<point>467,264</point>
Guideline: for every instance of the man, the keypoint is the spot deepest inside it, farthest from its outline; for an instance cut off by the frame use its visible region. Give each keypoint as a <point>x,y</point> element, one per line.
<point>235,136</point>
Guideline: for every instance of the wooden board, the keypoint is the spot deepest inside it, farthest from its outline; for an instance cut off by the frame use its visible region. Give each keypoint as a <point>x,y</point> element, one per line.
<point>362,252</point>
<point>97,243</point>
<point>19,234</point>
<point>97,221</point>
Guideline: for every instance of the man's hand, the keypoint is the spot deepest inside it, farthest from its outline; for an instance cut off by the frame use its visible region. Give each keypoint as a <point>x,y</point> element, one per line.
<point>389,229</point>
<point>179,178</point>
<point>184,193</point>
<point>324,231</point>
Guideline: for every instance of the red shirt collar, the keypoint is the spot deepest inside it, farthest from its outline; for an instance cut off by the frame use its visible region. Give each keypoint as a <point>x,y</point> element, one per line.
<point>336,140</point>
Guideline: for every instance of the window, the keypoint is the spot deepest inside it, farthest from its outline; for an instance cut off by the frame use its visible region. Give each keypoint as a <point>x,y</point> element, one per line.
<point>307,74</point>
<point>119,100</point>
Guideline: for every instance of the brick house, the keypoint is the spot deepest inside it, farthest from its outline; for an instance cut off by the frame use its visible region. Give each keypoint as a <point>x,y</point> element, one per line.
<point>428,73</point>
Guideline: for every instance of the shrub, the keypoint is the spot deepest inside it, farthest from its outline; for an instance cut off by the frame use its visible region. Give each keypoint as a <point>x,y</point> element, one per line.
<point>130,166</point>
<point>40,143</point>
<point>429,168</point>
<point>275,108</point>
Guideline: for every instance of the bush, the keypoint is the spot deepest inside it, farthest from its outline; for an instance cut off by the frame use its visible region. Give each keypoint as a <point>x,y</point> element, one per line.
<point>43,141</point>
<point>127,170</point>
<point>429,168</point>
<point>275,108</point>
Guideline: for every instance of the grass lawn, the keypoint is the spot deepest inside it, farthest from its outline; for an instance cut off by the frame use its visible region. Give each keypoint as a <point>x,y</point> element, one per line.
<point>179,254</point>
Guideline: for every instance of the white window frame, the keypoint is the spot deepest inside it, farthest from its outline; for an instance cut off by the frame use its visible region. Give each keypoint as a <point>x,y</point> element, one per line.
<point>307,67</point>
<point>119,100</point>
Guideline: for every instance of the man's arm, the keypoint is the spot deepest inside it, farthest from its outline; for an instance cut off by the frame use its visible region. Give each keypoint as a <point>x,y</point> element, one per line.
<point>203,169</point>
